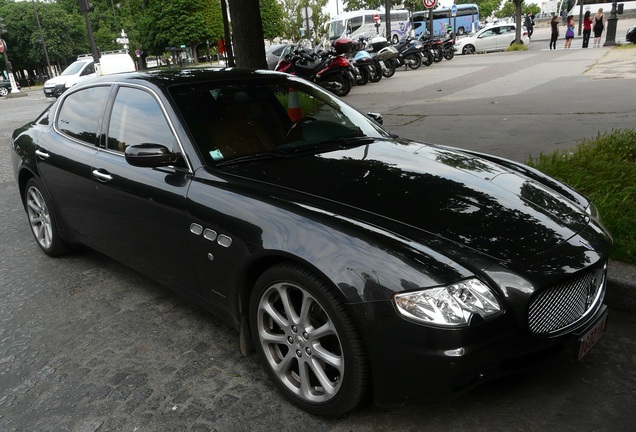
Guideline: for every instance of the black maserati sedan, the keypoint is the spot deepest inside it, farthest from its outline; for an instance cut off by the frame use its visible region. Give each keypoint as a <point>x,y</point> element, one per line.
<point>356,264</point>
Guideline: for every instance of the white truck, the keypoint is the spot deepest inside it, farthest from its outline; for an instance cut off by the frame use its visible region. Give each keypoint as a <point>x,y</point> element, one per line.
<point>84,67</point>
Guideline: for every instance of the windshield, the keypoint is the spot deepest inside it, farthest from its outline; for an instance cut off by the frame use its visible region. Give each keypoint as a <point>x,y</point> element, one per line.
<point>74,68</point>
<point>276,116</point>
<point>336,29</point>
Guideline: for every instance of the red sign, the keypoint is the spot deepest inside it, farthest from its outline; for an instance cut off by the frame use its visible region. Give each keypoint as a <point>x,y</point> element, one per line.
<point>376,17</point>
<point>3,46</point>
<point>429,4</point>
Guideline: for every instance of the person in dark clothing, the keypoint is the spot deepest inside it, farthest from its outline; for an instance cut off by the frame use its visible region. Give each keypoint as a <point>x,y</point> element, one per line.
<point>554,24</point>
<point>587,29</point>
<point>529,23</point>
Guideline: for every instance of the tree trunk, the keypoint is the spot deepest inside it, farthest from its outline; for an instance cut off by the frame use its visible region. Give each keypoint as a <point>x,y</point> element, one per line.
<point>247,34</point>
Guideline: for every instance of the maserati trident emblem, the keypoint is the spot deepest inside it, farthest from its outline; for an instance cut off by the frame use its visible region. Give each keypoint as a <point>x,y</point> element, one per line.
<point>586,245</point>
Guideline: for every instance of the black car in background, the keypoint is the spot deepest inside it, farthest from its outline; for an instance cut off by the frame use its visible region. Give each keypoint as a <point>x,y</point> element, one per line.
<point>630,36</point>
<point>355,263</point>
<point>5,87</point>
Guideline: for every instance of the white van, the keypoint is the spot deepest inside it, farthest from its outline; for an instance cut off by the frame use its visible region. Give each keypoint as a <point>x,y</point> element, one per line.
<point>110,63</point>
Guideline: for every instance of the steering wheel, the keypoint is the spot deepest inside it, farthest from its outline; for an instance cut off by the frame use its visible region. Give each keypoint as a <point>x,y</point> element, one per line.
<point>299,122</point>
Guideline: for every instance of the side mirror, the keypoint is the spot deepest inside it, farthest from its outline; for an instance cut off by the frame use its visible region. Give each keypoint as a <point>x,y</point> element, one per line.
<point>150,155</point>
<point>377,117</point>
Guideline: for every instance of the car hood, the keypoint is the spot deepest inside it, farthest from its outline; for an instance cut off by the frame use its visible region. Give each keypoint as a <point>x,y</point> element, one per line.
<point>409,187</point>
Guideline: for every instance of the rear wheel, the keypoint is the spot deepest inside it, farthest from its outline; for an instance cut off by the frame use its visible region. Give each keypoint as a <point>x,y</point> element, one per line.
<point>42,219</point>
<point>307,341</point>
<point>4,91</point>
<point>449,54</point>
<point>341,85</point>
<point>376,73</point>
<point>468,49</point>
<point>390,69</point>
<point>364,76</point>
<point>413,60</point>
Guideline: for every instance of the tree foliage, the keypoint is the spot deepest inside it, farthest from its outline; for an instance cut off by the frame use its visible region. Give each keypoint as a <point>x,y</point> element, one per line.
<point>293,20</point>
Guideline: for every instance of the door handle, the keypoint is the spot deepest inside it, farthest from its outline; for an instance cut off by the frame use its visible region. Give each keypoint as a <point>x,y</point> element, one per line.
<point>42,154</point>
<point>102,176</point>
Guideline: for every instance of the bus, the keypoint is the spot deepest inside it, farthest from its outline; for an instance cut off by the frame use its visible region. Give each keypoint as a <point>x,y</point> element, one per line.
<point>574,6</point>
<point>355,23</point>
<point>465,21</point>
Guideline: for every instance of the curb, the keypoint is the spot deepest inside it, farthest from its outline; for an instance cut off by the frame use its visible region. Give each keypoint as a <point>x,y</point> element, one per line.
<point>621,287</point>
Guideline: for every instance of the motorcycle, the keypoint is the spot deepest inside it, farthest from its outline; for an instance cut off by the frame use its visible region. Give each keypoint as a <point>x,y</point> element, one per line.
<point>434,45</point>
<point>328,70</point>
<point>384,54</point>
<point>409,53</point>
<point>448,47</point>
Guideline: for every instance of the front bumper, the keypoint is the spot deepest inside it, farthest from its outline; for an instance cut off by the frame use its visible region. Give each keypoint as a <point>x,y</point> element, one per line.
<point>54,91</point>
<point>413,363</point>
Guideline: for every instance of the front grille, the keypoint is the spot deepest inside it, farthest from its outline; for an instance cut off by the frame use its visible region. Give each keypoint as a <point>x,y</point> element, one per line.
<point>564,304</point>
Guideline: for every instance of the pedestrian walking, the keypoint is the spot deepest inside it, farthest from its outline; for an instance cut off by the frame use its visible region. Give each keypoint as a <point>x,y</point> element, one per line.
<point>529,23</point>
<point>554,24</point>
<point>587,29</point>
<point>569,32</point>
<point>598,24</point>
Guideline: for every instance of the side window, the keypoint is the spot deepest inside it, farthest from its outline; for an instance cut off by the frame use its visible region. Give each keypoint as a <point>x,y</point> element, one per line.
<point>137,119</point>
<point>81,113</point>
<point>88,70</point>
<point>355,23</point>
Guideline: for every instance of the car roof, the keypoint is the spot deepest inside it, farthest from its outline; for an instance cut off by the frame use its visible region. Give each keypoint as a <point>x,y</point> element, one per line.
<point>168,78</point>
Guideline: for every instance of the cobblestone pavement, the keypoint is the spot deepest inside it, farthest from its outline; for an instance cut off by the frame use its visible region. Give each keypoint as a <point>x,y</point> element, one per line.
<point>88,345</point>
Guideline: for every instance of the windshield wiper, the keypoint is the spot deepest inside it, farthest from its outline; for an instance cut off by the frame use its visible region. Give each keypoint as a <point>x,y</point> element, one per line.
<point>339,143</point>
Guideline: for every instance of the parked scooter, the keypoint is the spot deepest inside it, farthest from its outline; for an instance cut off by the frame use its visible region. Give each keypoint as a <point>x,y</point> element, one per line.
<point>328,70</point>
<point>384,54</point>
<point>448,47</point>
<point>409,53</point>
<point>434,45</point>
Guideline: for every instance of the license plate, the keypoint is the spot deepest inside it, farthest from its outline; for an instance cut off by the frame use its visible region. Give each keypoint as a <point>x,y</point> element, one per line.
<point>589,339</point>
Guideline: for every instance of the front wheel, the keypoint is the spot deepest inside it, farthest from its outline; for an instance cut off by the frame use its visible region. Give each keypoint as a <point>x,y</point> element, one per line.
<point>42,219</point>
<point>468,49</point>
<point>449,54</point>
<point>4,91</point>
<point>307,341</point>
<point>375,73</point>
<point>414,61</point>
<point>428,58</point>
<point>438,54</point>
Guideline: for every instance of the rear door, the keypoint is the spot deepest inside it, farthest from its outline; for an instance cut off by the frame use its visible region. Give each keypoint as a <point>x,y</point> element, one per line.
<point>64,158</point>
<point>507,35</point>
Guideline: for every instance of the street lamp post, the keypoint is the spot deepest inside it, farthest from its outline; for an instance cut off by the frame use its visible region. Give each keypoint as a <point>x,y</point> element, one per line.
<point>46,52</point>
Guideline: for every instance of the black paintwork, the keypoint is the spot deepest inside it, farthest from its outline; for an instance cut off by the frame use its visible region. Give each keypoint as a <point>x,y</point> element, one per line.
<point>388,216</point>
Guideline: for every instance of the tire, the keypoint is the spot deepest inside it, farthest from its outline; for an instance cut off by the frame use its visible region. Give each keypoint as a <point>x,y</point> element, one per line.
<point>42,220</point>
<point>390,69</point>
<point>4,91</point>
<point>364,76</point>
<point>376,73</point>
<point>415,58</point>
<point>438,54</point>
<point>468,49</point>
<point>344,83</point>
<point>461,31</point>
<point>449,54</point>
<point>428,58</point>
<point>307,342</point>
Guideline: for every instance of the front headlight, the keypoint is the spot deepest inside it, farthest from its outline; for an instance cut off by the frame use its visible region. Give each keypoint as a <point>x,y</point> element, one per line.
<point>453,305</point>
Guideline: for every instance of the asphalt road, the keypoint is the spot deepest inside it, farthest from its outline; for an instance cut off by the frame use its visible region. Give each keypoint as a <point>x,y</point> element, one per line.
<point>89,345</point>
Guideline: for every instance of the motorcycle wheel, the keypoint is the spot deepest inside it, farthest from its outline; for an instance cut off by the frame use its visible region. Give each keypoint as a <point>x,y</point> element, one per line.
<point>413,61</point>
<point>364,76</point>
<point>428,58</point>
<point>376,74</point>
<point>344,84</point>
<point>449,54</point>
<point>438,54</point>
<point>390,69</point>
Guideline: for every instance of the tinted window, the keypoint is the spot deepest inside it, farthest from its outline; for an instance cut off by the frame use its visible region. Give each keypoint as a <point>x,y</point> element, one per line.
<point>81,113</point>
<point>138,119</point>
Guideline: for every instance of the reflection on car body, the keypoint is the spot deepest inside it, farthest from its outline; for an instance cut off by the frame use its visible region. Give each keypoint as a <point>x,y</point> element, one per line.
<point>354,262</point>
